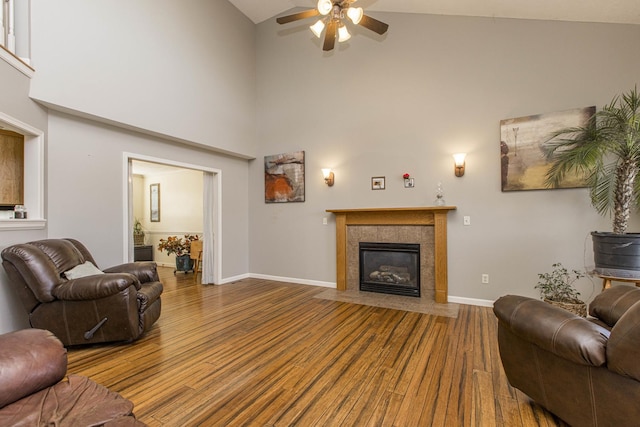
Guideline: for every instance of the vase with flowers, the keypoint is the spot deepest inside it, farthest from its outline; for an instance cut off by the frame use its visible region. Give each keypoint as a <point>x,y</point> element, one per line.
<point>181,248</point>
<point>408,181</point>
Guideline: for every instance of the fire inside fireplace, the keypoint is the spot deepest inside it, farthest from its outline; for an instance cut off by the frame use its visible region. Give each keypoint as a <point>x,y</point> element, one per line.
<point>391,268</point>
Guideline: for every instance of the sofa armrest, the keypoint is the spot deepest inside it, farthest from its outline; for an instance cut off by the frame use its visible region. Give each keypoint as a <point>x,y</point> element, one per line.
<point>94,287</point>
<point>145,271</point>
<point>30,360</point>
<point>553,329</point>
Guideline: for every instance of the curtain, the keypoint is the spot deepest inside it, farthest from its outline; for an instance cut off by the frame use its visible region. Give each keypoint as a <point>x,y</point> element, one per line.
<point>208,276</point>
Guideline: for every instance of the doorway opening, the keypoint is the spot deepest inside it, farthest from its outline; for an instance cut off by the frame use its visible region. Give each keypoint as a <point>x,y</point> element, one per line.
<point>180,190</point>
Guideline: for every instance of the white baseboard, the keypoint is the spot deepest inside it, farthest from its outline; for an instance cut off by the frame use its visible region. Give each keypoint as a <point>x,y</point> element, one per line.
<point>164,264</point>
<point>471,301</point>
<point>452,299</point>
<point>234,279</point>
<point>228,280</point>
<point>294,280</point>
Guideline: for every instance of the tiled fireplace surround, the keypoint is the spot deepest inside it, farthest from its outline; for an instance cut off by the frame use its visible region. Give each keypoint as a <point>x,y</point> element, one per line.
<point>424,225</point>
<point>420,234</point>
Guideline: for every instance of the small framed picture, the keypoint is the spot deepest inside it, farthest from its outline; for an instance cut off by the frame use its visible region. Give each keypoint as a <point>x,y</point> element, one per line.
<point>377,183</point>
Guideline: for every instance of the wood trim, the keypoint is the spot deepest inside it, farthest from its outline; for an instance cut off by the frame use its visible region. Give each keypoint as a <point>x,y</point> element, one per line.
<point>11,168</point>
<point>435,216</point>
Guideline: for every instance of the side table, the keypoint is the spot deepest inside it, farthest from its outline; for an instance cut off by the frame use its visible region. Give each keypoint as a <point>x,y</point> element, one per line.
<point>143,253</point>
<point>606,280</point>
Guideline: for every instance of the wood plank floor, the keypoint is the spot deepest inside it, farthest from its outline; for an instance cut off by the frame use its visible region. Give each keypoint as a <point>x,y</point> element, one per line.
<point>264,353</point>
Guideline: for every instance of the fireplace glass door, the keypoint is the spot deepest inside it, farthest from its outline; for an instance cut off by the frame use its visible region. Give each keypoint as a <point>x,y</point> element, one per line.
<point>392,268</point>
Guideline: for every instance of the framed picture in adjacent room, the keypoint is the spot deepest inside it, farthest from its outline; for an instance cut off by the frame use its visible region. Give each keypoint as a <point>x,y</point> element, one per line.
<point>284,177</point>
<point>154,194</point>
<point>377,183</point>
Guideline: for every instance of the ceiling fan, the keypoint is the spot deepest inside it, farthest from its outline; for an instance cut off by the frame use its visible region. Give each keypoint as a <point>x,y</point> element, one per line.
<point>333,14</point>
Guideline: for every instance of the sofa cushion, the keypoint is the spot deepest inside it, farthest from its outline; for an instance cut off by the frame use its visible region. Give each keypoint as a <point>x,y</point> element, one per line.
<point>612,303</point>
<point>76,402</point>
<point>622,349</point>
<point>62,253</point>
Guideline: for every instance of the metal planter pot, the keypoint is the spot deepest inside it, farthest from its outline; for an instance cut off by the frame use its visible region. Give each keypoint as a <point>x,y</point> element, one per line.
<point>184,263</point>
<point>616,254</point>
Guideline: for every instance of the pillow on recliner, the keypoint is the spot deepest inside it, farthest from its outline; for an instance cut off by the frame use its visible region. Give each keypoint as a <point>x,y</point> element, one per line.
<point>82,270</point>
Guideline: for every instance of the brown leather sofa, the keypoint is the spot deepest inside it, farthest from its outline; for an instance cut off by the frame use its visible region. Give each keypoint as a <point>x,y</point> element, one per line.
<point>119,305</point>
<point>585,371</point>
<point>33,363</point>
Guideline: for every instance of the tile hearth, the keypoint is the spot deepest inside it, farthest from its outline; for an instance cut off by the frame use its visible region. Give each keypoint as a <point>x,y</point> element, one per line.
<point>395,302</point>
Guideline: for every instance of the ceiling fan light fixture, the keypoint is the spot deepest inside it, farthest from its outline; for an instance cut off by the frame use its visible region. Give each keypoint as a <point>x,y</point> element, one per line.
<point>343,33</point>
<point>317,28</point>
<point>325,6</point>
<point>355,14</point>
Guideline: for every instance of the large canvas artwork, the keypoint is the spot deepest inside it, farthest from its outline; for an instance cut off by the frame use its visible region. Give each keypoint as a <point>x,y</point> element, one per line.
<point>523,164</point>
<point>284,177</point>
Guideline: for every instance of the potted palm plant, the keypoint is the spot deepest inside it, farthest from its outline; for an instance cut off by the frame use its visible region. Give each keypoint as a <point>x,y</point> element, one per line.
<point>607,151</point>
<point>557,288</point>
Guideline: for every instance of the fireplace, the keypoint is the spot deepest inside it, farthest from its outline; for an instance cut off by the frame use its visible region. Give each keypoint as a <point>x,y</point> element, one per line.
<point>390,268</point>
<point>427,225</point>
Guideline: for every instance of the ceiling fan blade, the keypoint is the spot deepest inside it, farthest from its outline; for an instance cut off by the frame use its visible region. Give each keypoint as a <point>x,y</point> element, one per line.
<point>297,16</point>
<point>330,35</point>
<point>373,24</point>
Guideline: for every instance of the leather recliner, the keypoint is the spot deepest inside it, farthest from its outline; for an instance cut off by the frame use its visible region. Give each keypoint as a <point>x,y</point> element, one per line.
<point>35,392</point>
<point>119,305</point>
<point>585,371</point>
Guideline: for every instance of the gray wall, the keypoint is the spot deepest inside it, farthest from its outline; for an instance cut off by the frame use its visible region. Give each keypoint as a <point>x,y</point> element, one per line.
<point>201,72</point>
<point>405,102</point>
<point>184,69</point>
<point>175,70</point>
<point>15,103</point>
<point>86,197</point>
<point>181,71</point>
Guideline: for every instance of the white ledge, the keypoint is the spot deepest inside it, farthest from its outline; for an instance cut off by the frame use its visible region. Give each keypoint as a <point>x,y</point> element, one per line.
<point>22,224</point>
<point>16,62</point>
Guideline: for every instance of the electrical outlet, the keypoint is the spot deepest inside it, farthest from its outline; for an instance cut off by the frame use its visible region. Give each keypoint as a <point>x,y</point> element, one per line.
<point>324,220</point>
<point>485,278</point>
<point>466,220</point>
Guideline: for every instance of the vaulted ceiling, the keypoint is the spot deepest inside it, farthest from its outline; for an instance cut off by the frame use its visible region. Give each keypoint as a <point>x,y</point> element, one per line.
<point>612,11</point>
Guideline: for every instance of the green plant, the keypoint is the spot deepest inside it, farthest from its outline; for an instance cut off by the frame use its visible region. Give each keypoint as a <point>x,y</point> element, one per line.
<point>177,245</point>
<point>607,151</point>
<point>558,285</point>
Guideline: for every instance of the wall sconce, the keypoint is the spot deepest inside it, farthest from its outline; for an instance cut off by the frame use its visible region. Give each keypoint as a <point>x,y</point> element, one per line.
<point>458,160</point>
<point>328,177</point>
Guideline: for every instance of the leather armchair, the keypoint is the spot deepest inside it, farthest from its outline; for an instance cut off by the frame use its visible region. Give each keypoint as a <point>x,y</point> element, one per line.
<point>586,371</point>
<point>33,364</point>
<point>119,305</point>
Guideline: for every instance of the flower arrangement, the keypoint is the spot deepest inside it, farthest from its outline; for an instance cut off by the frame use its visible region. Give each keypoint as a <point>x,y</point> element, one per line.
<point>177,245</point>
<point>406,176</point>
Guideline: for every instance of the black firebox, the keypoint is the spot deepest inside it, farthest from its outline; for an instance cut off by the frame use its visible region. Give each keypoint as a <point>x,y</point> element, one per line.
<point>390,268</point>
